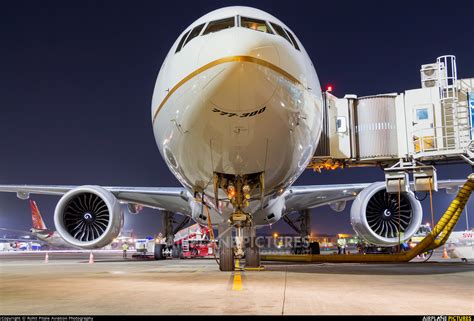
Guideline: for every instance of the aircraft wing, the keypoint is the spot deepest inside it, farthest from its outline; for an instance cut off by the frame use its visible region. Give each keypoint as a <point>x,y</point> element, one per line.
<point>174,199</point>
<point>305,197</point>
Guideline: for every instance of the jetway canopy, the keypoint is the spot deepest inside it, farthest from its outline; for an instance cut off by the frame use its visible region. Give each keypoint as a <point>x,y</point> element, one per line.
<point>432,123</point>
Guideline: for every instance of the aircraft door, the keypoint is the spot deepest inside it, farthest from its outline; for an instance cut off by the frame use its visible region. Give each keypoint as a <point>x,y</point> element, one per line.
<point>423,128</point>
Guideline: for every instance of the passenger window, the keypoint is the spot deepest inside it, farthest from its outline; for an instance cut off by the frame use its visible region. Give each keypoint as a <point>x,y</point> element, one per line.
<point>180,45</point>
<point>293,39</point>
<point>254,24</point>
<point>219,25</point>
<point>279,30</point>
<point>196,31</point>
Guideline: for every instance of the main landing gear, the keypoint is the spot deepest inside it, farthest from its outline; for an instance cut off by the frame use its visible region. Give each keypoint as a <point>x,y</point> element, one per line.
<point>304,244</point>
<point>162,251</point>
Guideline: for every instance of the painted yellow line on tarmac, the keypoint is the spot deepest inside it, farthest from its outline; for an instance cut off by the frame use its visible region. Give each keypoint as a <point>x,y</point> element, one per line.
<point>237,286</point>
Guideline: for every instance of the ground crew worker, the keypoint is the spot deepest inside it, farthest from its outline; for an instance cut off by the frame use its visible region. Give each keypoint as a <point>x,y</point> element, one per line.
<point>360,247</point>
<point>341,245</point>
<point>401,246</point>
<point>125,248</point>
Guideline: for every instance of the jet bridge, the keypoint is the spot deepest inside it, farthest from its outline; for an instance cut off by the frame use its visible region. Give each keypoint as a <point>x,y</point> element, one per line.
<point>403,133</point>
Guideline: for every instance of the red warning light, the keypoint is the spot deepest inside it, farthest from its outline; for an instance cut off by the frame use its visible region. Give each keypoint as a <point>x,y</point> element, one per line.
<point>329,88</point>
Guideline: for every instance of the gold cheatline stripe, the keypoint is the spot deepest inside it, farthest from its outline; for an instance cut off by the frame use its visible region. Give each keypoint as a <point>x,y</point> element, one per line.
<point>254,60</point>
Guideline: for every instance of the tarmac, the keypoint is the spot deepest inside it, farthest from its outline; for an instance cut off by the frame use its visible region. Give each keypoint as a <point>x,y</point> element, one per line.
<point>69,285</point>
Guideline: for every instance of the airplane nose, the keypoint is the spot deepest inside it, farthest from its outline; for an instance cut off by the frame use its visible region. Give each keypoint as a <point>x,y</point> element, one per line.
<point>242,86</point>
<point>243,79</point>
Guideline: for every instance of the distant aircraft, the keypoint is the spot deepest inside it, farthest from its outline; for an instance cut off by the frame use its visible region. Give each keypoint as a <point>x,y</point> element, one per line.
<point>460,244</point>
<point>41,232</point>
<point>237,116</point>
<point>51,237</point>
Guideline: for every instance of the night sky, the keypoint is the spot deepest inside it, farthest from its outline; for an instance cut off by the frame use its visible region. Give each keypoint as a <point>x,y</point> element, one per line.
<point>77,77</point>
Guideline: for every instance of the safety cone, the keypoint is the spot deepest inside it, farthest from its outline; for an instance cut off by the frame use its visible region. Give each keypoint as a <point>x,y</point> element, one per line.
<point>46,258</point>
<point>445,253</point>
<point>91,258</point>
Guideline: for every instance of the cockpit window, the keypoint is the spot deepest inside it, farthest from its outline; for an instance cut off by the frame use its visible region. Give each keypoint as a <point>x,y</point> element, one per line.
<point>279,30</point>
<point>292,39</point>
<point>194,33</point>
<point>219,25</point>
<point>180,45</point>
<point>254,24</point>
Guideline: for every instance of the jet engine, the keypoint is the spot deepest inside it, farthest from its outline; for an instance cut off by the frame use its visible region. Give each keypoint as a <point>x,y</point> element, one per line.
<point>377,215</point>
<point>88,217</point>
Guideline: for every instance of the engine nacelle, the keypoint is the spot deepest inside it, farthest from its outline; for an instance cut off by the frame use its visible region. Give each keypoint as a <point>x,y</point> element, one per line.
<point>374,215</point>
<point>88,217</point>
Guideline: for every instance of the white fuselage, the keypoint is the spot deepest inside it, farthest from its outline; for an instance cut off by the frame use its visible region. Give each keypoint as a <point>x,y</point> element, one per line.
<point>52,238</point>
<point>237,101</point>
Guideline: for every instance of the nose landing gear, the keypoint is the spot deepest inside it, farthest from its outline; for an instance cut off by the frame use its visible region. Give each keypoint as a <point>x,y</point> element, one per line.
<point>239,191</point>
<point>243,245</point>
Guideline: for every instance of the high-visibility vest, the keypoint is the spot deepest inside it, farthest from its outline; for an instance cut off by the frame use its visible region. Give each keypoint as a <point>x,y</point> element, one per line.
<point>402,236</point>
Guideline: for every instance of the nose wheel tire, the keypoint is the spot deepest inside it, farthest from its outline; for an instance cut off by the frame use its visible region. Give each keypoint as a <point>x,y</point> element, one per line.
<point>226,258</point>
<point>226,251</point>
<point>252,257</point>
<point>252,251</point>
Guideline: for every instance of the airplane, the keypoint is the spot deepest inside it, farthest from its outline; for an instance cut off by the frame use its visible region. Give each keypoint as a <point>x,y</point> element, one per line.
<point>41,232</point>
<point>51,237</point>
<point>460,244</point>
<point>237,115</point>
<point>17,243</point>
